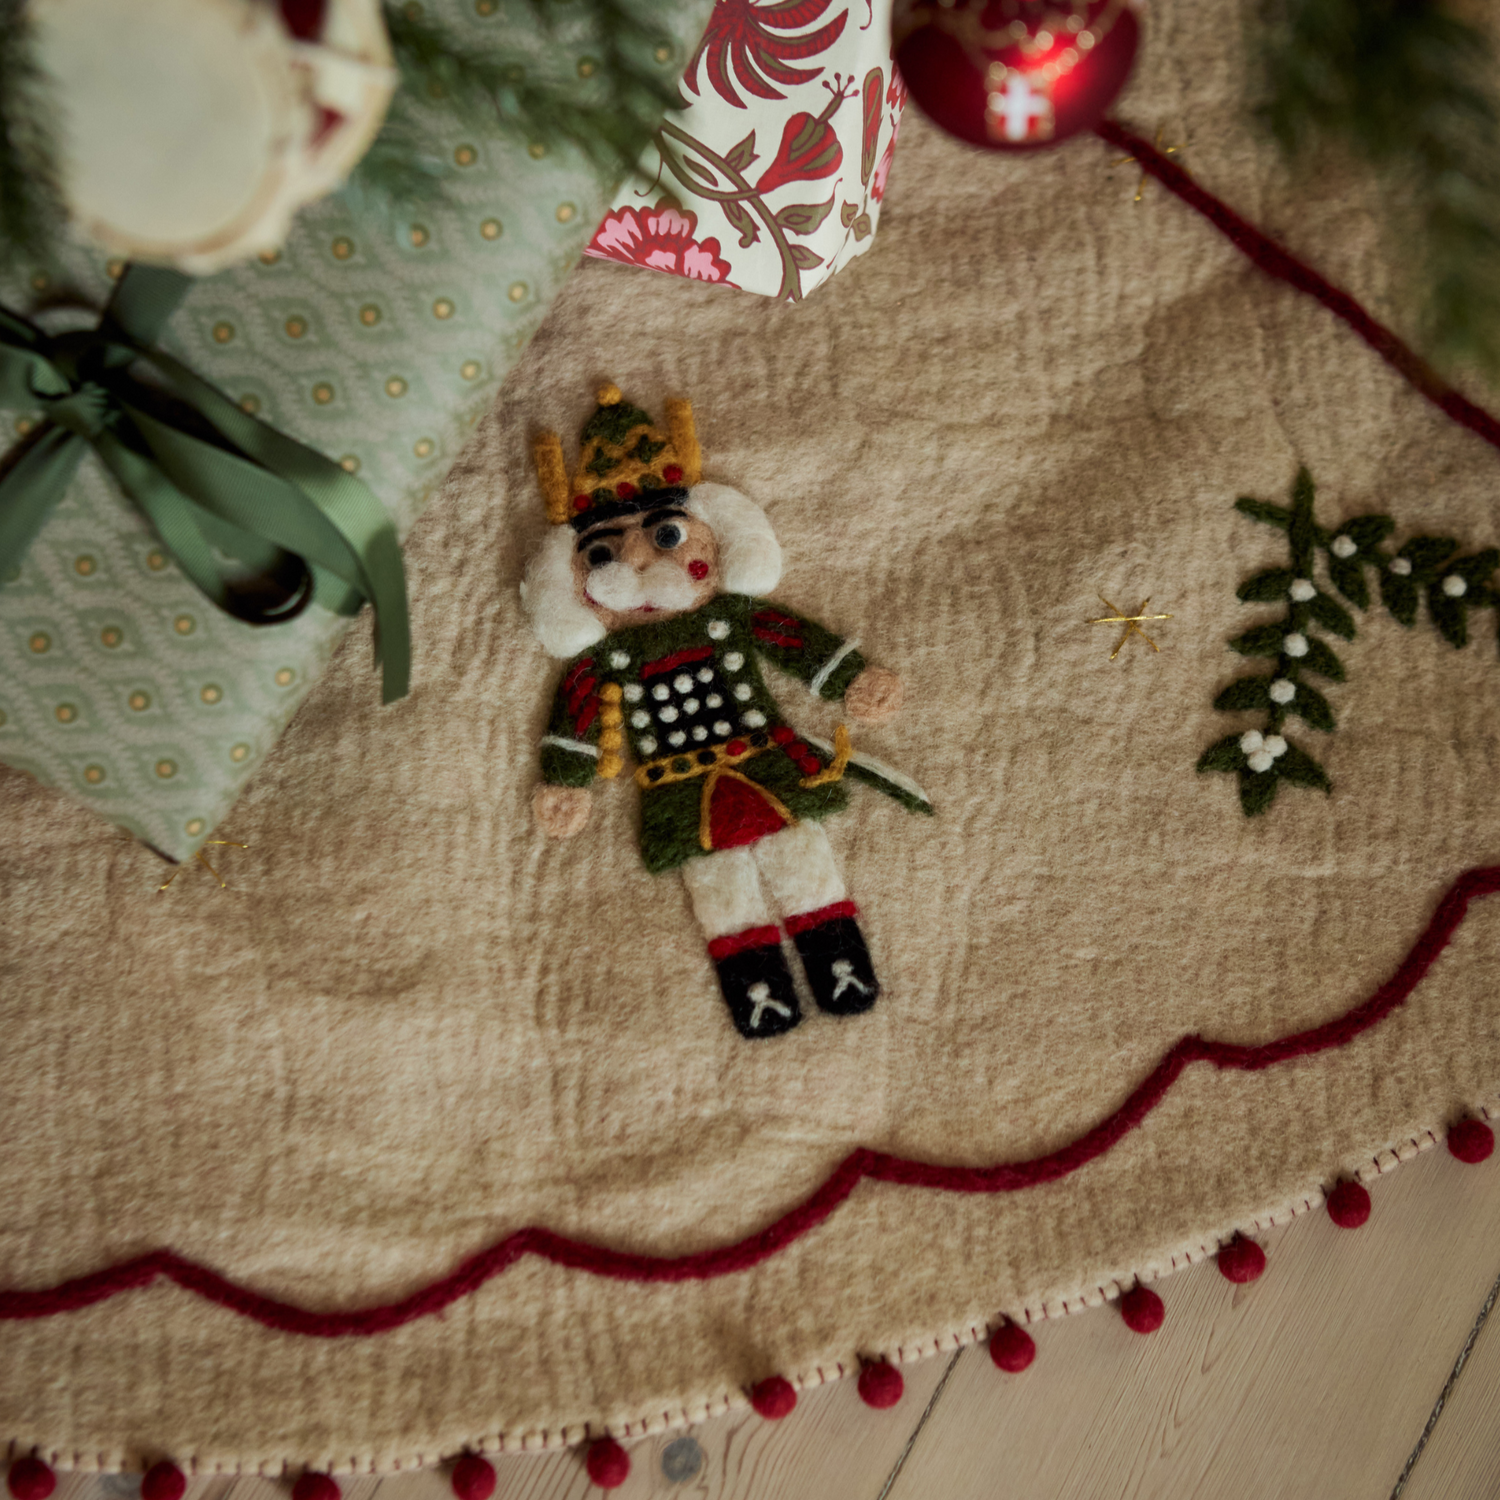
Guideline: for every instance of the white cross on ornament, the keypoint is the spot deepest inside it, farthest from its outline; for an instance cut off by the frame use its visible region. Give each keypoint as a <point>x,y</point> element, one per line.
<point>1018,110</point>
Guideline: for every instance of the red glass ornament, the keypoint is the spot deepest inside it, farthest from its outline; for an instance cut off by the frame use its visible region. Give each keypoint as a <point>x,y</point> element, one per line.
<point>1015,75</point>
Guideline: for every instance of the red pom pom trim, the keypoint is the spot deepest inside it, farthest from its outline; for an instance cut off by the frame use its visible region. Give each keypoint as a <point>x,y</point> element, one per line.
<point>783,735</point>
<point>1142,1310</point>
<point>316,1487</point>
<point>473,1478</point>
<point>30,1479</point>
<point>809,765</point>
<point>1471,1141</point>
<point>881,1385</point>
<point>608,1464</point>
<point>672,473</point>
<point>774,1398</point>
<point>1012,1348</point>
<point>163,1481</point>
<point>1241,1260</point>
<point>1349,1204</point>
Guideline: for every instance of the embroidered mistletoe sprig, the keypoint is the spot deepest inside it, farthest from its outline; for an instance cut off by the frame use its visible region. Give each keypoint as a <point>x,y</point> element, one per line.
<point>1454,586</point>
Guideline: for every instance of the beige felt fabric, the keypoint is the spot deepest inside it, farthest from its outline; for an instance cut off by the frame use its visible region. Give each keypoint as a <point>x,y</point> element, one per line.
<point>413,1025</point>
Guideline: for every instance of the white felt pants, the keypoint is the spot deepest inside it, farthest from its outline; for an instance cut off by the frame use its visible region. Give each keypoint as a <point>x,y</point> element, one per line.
<point>796,865</point>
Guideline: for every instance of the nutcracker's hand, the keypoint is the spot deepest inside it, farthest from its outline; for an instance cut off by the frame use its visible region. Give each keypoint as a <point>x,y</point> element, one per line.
<point>874,695</point>
<point>561,811</point>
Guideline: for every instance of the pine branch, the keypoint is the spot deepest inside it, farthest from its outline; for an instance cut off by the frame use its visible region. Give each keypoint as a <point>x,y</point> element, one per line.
<point>1410,87</point>
<point>31,211</point>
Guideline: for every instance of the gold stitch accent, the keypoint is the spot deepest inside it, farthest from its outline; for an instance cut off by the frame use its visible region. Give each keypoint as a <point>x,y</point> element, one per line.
<point>1132,624</point>
<point>841,752</point>
<point>199,856</point>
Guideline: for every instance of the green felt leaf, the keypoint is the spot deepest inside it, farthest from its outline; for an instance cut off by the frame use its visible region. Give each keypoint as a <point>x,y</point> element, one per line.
<point>1262,510</point>
<point>1449,615</point>
<point>1368,532</point>
<point>1321,660</point>
<point>1476,568</point>
<point>1257,791</point>
<point>1263,640</point>
<point>1302,530</point>
<point>1349,579</point>
<point>1299,768</point>
<point>1244,694</point>
<point>1224,755</point>
<point>1400,597</point>
<point>1331,615</point>
<point>1267,587</point>
<point>1312,707</point>
<point>1427,554</point>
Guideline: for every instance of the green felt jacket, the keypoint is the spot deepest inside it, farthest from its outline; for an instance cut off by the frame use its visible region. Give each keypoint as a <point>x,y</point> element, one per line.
<point>689,685</point>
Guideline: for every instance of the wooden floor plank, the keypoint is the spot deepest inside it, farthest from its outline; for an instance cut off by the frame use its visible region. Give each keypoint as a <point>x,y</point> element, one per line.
<point>1461,1459</point>
<point>1315,1381</point>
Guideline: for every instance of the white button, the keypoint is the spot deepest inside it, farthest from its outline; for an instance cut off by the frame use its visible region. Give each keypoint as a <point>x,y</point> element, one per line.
<point>705,674</point>
<point>648,746</point>
<point>755,718</point>
<point>699,732</point>
<point>690,705</point>
<point>743,691</point>
<point>721,726</point>
<point>667,714</point>
<point>677,737</point>
<point>619,659</point>
<point>683,683</point>
<point>661,692</point>
<point>713,700</point>
<point>718,629</point>
<point>733,662</point>
<point>633,691</point>
<point>640,718</point>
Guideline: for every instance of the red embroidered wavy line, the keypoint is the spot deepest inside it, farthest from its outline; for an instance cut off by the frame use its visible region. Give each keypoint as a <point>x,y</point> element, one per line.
<point>1007,1177</point>
<point>1283,265</point>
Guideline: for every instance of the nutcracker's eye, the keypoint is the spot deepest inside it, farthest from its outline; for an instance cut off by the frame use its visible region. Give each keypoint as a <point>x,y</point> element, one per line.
<point>599,555</point>
<point>669,535</point>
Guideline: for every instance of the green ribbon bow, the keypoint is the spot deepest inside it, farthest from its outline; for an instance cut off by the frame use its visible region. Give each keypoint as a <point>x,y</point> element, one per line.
<point>234,501</point>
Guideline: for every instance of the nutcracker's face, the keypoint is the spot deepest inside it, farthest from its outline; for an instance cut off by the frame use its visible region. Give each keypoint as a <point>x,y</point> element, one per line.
<point>644,568</point>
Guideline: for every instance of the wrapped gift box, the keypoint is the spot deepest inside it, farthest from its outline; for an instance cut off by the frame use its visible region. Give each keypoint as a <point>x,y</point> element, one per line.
<point>380,342</point>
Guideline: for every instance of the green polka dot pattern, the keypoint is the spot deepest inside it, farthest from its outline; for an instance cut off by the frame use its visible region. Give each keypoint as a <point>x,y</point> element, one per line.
<point>378,343</point>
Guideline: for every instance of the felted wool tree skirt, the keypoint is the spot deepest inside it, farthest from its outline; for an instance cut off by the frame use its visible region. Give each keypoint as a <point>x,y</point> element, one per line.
<point>279,1131</point>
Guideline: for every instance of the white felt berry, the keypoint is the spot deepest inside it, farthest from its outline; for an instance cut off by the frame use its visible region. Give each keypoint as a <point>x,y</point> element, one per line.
<point>683,683</point>
<point>705,674</point>
<point>1294,644</point>
<point>619,658</point>
<point>755,718</point>
<point>1401,566</point>
<point>733,662</point>
<point>1455,587</point>
<point>667,715</point>
<point>713,701</point>
<point>633,691</point>
<point>1343,546</point>
<point>699,732</point>
<point>648,746</point>
<point>722,726</point>
<point>1302,590</point>
<point>1262,760</point>
<point>690,705</point>
<point>677,737</point>
<point>1282,690</point>
<point>1275,746</point>
<point>661,692</point>
<point>1251,741</point>
<point>640,718</point>
<point>743,691</point>
<point>718,629</point>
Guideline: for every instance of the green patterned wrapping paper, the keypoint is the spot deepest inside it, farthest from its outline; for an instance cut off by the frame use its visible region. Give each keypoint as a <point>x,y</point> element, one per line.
<point>379,342</point>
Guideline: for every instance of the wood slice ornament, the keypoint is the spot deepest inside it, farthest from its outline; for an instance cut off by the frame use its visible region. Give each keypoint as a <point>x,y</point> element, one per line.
<point>1015,75</point>
<point>192,130</point>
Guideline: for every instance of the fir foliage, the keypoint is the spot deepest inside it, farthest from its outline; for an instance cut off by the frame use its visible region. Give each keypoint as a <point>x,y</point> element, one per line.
<point>1425,567</point>
<point>610,115</point>
<point>1409,86</point>
<point>31,212</point>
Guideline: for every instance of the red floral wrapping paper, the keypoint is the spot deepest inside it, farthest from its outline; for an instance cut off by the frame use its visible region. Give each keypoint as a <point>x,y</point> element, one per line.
<point>771,179</point>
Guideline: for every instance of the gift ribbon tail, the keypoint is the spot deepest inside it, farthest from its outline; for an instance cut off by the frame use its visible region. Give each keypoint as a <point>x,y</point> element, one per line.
<point>32,486</point>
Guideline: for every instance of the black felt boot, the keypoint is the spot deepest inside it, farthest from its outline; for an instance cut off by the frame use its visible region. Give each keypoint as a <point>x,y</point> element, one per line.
<point>758,987</point>
<point>839,971</point>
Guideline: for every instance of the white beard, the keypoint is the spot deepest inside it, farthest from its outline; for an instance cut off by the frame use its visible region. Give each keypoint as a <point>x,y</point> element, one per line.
<point>663,585</point>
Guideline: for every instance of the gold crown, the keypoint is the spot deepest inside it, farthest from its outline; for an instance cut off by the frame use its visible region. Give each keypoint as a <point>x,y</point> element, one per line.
<point>623,457</point>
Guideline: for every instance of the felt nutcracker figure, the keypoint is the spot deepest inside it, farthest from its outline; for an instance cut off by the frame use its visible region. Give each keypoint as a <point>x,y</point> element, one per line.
<point>652,585</point>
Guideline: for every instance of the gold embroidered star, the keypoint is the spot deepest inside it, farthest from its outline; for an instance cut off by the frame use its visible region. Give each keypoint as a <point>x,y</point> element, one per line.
<point>1140,190</point>
<point>1132,624</point>
<point>227,843</point>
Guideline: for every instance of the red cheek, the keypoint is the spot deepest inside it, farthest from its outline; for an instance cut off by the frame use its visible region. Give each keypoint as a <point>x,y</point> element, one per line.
<point>698,569</point>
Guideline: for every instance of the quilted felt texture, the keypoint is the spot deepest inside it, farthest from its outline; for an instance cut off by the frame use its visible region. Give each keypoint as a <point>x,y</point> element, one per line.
<point>413,1027</point>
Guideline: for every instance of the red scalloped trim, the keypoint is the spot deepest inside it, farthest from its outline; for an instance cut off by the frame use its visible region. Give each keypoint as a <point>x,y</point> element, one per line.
<point>1005,1177</point>
<point>1284,266</point>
